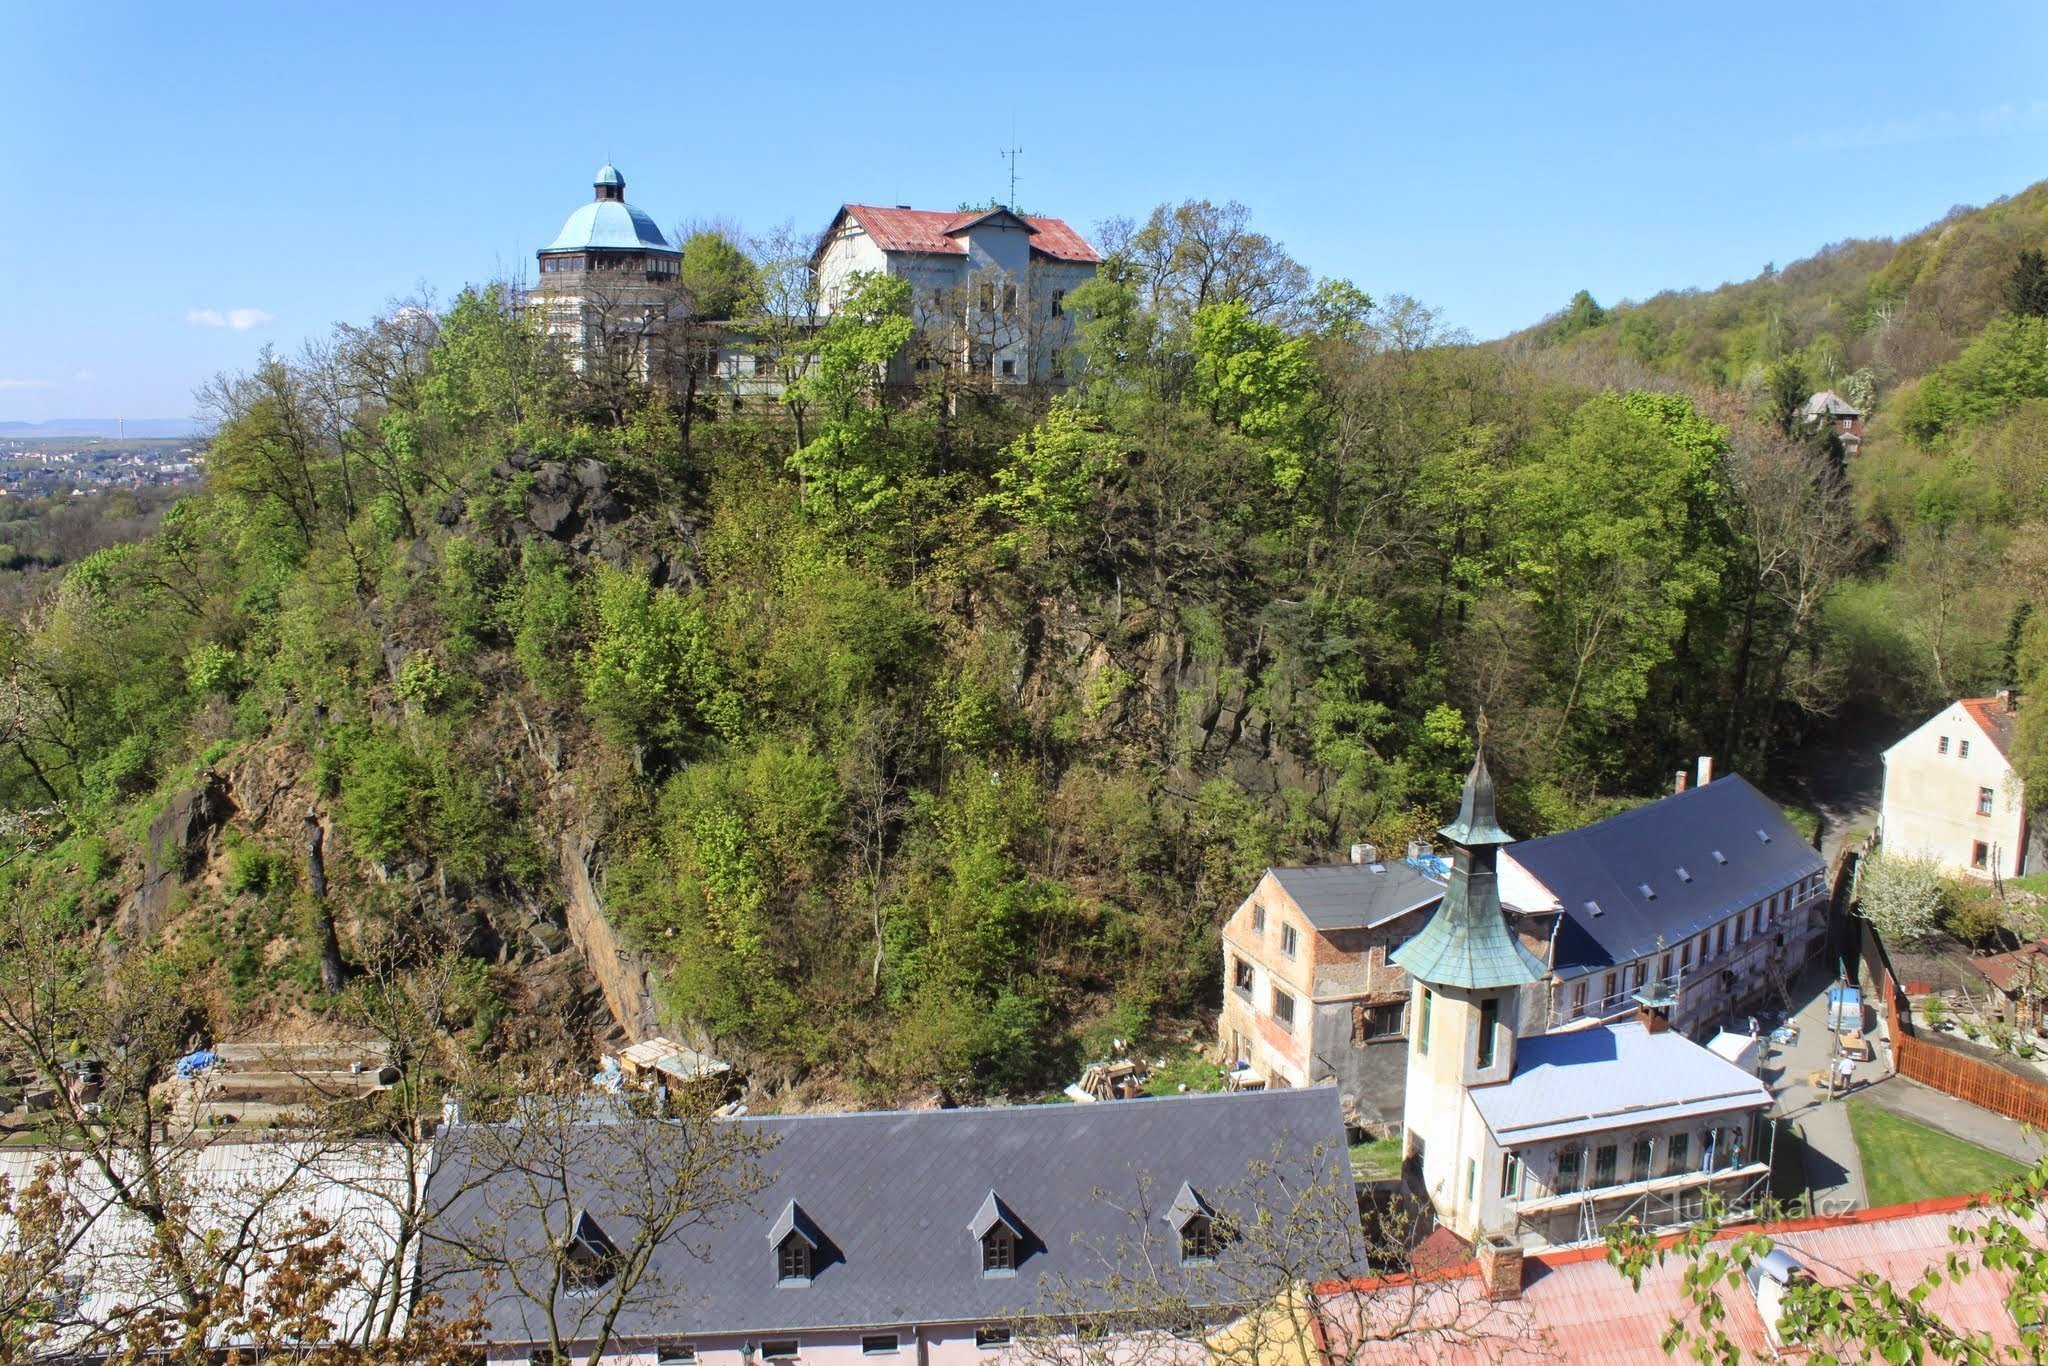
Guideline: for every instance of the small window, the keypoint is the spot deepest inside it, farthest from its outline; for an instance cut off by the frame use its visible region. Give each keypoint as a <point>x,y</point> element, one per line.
<point>1664,967</point>
<point>779,1349</point>
<point>1258,918</point>
<point>1571,1170</point>
<point>990,1338</point>
<point>1383,1022</point>
<point>793,1260</point>
<point>1283,1008</point>
<point>1639,1160</point>
<point>1471,1179</point>
<point>1198,1240</point>
<point>1489,1025</point>
<point>1980,854</point>
<point>1241,976</point>
<point>1579,999</point>
<point>1963,750</point>
<point>998,1251</point>
<point>1943,748</point>
<point>1604,1158</point>
<point>1677,1154</point>
<point>1422,1026</point>
<point>1510,1175</point>
<point>1608,990</point>
<point>878,1345</point>
<point>675,1353</point>
<point>1059,302</point>
<point>1009,367</point>
<point>1009,298</point>
<point>1290,940</point>
<point>1984,798</point>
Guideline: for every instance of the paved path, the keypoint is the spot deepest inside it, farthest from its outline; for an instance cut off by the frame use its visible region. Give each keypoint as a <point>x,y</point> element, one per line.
<point>1834,1171</point>
<point>1942,1112</point>
<point>1844,781</point>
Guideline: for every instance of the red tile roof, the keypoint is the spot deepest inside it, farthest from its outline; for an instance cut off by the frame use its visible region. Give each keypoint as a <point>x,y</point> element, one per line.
<point>926,230</point>
<point>1994,720</point>
<point>1577,1307</point>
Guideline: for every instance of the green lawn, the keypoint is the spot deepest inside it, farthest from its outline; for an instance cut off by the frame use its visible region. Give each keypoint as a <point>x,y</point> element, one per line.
<point>1376,1159</point>
<point>1904,1161</point>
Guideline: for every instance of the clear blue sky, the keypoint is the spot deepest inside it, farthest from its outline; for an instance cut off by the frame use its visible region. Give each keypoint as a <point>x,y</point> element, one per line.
<point>169,170</point>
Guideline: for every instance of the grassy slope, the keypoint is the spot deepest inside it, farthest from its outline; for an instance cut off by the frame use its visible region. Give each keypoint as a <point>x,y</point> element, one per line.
<point>1904,1161</point>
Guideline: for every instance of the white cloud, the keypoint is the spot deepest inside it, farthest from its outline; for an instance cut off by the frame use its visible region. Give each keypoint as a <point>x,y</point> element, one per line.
<point>83,376</point>
<point>14,385</point>
<point>240,319</point>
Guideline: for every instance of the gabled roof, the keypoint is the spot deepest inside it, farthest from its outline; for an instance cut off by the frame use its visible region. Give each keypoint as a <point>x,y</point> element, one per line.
<point>794,1220</point>
<point>1358,896</point>
<point>1703,854</point>
<point>1991,716</point>
<point>1829,402</point>
<point>936,232</point>
<point>1587,1080</point>
<point>1187,1204</point>
<point>896,1192</point>
<point>2001,969</point>
<point>993,1212</point>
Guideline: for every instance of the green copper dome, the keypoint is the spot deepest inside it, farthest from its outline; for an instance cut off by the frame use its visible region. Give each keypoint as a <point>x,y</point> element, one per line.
<point>1467,943</point>
<point>609,177</point>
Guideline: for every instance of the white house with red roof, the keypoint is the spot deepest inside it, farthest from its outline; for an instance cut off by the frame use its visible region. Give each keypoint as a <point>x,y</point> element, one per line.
<point>1951,795</point>
<point>988,286</point>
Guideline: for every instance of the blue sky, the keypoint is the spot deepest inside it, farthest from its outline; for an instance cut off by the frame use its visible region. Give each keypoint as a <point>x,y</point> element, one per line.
<point>182,184</point>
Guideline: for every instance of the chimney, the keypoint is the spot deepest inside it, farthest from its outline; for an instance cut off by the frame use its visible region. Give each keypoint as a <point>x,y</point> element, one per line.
<point>1680,785</point>
<point>2008,701</point>
<point>1500,1267</point>
<point>1706,769</point>
<point>1653,1006</point>
<point>1365,853</point>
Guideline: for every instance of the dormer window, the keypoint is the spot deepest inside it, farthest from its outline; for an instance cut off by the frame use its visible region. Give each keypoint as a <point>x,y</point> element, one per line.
<point>1198,1239</point>
<point>1000,1233</point>
<point>1195,1225</point>
<point>797,1243</point>
<point>589,1258</point>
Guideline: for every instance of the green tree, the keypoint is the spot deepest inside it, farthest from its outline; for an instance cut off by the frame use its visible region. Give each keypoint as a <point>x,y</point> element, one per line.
<point>719,278</point>
<point>853,463</point>
<point>2026,293</point>
<point>1582,314</point>
<point>647,662</point>
<point>1252,376</point>
<point>1046,474</point>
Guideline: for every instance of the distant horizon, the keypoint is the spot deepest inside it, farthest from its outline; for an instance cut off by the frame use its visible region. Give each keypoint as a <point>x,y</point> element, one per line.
<point>1487,164</point>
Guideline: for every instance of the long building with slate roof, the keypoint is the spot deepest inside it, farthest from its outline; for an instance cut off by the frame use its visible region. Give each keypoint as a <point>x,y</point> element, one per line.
<point>916,1235</point>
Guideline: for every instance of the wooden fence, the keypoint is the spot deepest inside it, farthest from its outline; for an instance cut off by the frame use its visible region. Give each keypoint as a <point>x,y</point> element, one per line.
<point>1945,1069</point>
<point>1967,1078</point>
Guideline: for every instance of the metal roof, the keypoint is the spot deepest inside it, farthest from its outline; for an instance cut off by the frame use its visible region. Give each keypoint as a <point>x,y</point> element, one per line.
<point>1467,943</point>
<point>1702,854</point>
<point>609,176</point>
<point>1829,402</point>
<point>608,225</point>
<point>934,232</point>
<point>1608,1077</point>
<point>1357,896</point>
<point>892,1196</point>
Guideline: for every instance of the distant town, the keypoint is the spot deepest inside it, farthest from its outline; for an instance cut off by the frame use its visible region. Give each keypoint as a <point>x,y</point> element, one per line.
<point>42,467</point>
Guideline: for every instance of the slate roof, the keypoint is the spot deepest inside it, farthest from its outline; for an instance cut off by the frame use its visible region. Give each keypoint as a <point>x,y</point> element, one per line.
<point>1710,832</point>
<point>927,231</point>
<point>1829,402</point>
<point>1358,896</point>
<point>892,1197</point>
<point>1608,1077</point>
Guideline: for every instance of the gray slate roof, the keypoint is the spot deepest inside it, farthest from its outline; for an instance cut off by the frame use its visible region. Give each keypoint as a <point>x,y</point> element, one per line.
<point>1358,896</point>
<point>1710,832</point>
<point>1829,402</point>
<point>1610,1077</point>
<point>892,1196</point>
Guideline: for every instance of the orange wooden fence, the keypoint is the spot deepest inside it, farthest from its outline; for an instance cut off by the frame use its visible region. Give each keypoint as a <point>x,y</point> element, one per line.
<point>1966,1078</point>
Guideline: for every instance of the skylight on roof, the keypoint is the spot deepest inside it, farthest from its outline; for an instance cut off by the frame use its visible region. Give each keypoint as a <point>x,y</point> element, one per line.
<point>1763,836</point>
<point>1649,892</point>
<point>1720,857</point>
<point>1683,876</point>
<point>1593,908</point>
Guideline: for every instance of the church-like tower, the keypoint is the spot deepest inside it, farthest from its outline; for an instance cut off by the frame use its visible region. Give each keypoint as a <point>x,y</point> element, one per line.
<point>1469,970</point>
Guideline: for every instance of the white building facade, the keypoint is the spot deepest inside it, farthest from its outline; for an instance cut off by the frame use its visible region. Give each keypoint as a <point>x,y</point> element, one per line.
<point>1951,795</point>
<point>988,287</point>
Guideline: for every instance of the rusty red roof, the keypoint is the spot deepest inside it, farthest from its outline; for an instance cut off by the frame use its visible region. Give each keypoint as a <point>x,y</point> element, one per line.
<point>2000,968</point>
<point>931,231</point>
<point>1995,719</point>
<point>1578,1307</point>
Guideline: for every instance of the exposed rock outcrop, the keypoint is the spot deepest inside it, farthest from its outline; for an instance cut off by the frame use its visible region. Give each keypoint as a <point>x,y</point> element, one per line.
<point>179,840</point>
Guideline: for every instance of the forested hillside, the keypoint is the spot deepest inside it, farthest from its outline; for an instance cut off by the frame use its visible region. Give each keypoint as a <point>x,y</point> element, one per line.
<point>922,739</point>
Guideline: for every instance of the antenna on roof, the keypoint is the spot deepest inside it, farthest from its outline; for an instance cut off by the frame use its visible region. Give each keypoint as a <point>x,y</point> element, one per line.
<point>1010,154</point>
